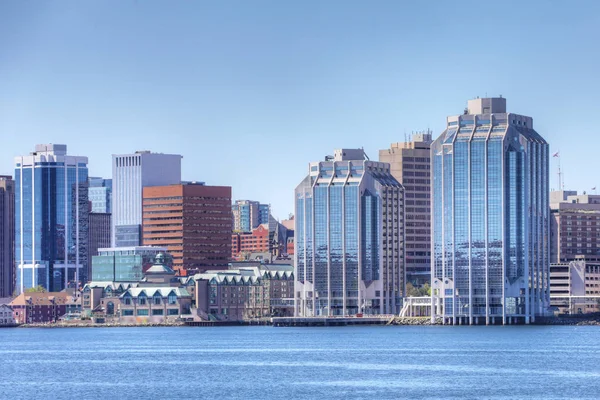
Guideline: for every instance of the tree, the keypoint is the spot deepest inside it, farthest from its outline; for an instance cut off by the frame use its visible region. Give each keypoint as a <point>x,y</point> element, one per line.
<point>412,291</point>
<point>37,289</point>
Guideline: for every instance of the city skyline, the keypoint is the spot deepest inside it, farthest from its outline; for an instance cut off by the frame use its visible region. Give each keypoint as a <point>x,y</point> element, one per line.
<point>279,78</point>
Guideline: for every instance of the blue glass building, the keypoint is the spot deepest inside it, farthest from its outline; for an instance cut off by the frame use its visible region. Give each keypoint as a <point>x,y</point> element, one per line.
<point>349,238</point>
<point>490,253</point>
<point>51,218</point>
<point>249,214</point>
<point>100,195</point>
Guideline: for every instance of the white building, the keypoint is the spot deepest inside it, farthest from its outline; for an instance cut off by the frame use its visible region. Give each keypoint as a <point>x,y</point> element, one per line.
<point>6,315</point>
<point>131,173</point>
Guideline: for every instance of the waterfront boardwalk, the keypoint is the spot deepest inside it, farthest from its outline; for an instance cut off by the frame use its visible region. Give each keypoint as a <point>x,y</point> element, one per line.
<point>332,321</point>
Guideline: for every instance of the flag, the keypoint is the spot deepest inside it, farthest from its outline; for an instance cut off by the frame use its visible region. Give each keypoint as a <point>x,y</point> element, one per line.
<point>555,154</point>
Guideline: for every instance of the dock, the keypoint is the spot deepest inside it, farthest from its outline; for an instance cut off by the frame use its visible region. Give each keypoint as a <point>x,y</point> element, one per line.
<point>332,321</point>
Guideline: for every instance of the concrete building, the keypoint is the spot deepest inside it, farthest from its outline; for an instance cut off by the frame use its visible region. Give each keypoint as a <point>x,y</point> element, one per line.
<point>410,165</point>
<point>349,237</point>
<point>132,173</point>
<point>51,218</point>
<point>192,221</point>
<point>98,238</point>
<point>574,227</point>
<point>7,236</point>
<point>100,195</point>
<point>575,286</point>
<point>491,253</point>
<point>248,215</point>
<point>244,243</point>
<point>125,264</point>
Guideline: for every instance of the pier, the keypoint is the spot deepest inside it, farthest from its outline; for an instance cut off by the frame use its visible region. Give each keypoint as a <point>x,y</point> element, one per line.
<point>332,321</point>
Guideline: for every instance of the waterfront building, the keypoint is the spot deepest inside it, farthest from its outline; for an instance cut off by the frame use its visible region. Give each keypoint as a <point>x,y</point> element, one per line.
<point>100,195</point>
<point>125,264</point>
<point>51,218</point>
<point>193,221</point>
<point>6,316</point>
<point>37,307</point>
<point>575,286</point>
<point>349,237</point>
<point>98,238</point>
<point>574,226</point>
<point>248,215</point>
<point>410,165</point>
<point>246,292</point>
<point>7,235</point>
<point>490,261</point>
<point>156,298</point>
<point>131,173</point>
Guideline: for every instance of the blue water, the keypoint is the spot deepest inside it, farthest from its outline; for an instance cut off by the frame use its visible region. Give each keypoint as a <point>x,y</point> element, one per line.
<point>373,362</point>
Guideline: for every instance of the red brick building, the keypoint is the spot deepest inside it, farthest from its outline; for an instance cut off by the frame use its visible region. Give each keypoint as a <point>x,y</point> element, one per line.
<point>41,307</point>
<point>192,221</point>
<point>255,242</point>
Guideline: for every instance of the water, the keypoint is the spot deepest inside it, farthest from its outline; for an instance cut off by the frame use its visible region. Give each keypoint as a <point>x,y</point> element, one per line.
<point>373,362</point>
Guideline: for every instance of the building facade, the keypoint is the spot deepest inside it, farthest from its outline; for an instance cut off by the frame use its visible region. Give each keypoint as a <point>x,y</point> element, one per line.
<point>6,316</point>
<point>131,173</point>
<point>349,237</point>
<point>7,236</point>
<point>575,286</point>
<point>248,215</point>
<point>243,243</point>
<point>98,238</point>
<point>410,164</point>
<point>491,254</point>
<point>574,227</point>
<point>100,195</point>
<point>124,264</point>
<point>44,307</point>
<point>192,221</point>
<point>51,218</point>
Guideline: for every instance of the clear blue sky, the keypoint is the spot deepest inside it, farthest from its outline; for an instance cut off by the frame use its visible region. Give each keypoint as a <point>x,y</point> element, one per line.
<point>249,92</point>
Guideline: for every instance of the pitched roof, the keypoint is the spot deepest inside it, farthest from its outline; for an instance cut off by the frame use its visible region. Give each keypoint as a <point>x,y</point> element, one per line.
<point>42,299</point>
<point>151,291</point>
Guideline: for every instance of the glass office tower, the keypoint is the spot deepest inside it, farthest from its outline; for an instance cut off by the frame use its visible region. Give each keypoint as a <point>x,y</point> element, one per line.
<point>51,218</point>
<point>349,238</point>
<point>490,255</point>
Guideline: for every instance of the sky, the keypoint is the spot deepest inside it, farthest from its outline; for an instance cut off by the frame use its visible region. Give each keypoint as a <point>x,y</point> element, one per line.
<point>250,92</point>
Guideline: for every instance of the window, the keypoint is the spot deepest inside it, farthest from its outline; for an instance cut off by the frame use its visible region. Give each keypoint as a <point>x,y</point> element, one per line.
<point>157,312</point>
<point>172,298</point>
<point>142,312</point>
<point>142,300</point>
<point>156,299</point>
<point>127,313</point>
<point>173,311</point>
<point>127,301</point>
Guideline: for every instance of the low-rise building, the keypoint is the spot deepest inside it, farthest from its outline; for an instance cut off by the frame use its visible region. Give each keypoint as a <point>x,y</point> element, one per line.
<point>246,293</point>
<point>575,286</point>
<point>6,316</point>
<point>154,304</point>
<point>42,307</point>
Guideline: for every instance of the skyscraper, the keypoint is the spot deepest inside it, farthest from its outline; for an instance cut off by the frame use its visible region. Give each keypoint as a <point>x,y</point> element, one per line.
<point>249,214</point>
<point>349,237</point>
<point>193,221</point>
<point>131,173</point>
<point>490,261</point>
<point>410,165</point>
<point>7,236</point>
<point>100,195</point>
<point>98,238</point>
<point>51,217</point>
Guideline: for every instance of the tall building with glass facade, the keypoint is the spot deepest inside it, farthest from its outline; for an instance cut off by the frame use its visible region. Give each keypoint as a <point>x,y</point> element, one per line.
<point>349,238</point>
<point>124,264</point>
<point>132,173</point>
<point>490,253</point>
<point>100,195</point>
<point>7,235</point>
<point>51,218</point>
<point>248,215</point>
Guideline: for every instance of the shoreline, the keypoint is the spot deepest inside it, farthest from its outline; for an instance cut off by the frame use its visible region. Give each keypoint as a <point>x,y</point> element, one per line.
<point>398,321</point>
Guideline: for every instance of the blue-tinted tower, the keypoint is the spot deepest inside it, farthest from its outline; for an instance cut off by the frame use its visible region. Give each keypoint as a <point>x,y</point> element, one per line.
<point>490,252</point>
<point>51,218</point>
<point>349,238</point>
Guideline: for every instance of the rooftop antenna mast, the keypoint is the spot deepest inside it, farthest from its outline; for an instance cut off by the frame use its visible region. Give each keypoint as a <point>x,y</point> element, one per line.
<point>560,175</point>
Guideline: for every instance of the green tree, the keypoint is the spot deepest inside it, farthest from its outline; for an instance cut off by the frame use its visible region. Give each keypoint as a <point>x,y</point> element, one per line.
<point>425,290</point>
<point>412,291</point>
<point>37,289</point>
